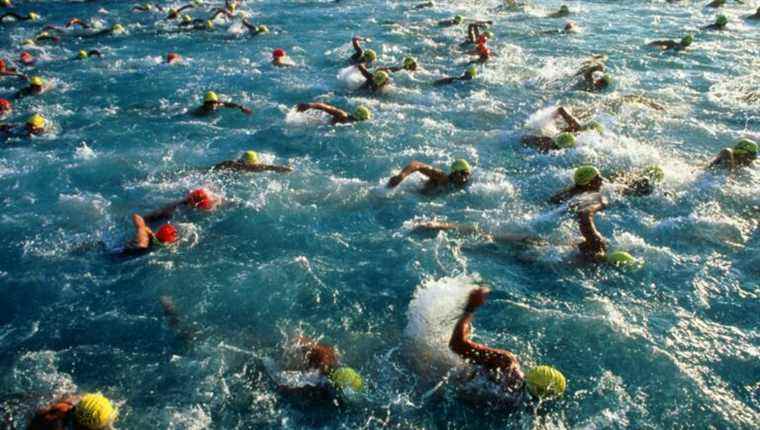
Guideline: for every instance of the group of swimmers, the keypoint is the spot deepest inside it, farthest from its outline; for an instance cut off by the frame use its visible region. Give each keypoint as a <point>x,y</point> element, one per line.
<point>153,231</point>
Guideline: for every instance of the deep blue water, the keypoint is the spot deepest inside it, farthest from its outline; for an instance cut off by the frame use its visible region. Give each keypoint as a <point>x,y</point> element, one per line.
<point>327,251</point>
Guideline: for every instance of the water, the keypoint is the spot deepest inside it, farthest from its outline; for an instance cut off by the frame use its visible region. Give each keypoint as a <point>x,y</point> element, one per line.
<point>327,251</point>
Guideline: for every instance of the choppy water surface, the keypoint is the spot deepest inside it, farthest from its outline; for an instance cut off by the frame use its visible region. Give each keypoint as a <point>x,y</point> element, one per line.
<point>329,252</point>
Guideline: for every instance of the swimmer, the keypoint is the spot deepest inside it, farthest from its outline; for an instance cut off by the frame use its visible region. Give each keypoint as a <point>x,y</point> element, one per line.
<point>280,58</point>
<point>483,52</point>
<point>742,154</point>
<point>16,17</point>
<point>9,71</point>
<point>665,45</point>
<point>35,125</point>
<point>424,5</point>
<point>509,6</point>
<point>249,162</point>
<point>91,411</point>
<point>468,75</point>
<point>409,64</point>
<point>474,229</point>
<point>451,22</point>
<point>570,27</point>
<point>500,366</point>
<point>211,104</point>
<point>360,55</point>
<point>37,86</point>
<point>561,13</point>
<point>200,199</point>
<point>566,138</point>
<point>473,33</point>
<point>255,29</point>
<point>83,55</point>
<point>720,23</point>
<point>594,76</point>
<point>716,3</point>
<point>174,13</point>
<point>45,36</point>
<point>173,57</point>
<point>374,81</point>
<point>148,7</point>
<point>339,116</point>
<point>189,24</point>
<point>145,241</point>
<point>115,30</point>
<point>437,180</point>
<point>588,179</point>
<point>6,107</point>
<point>185,332</point>
<point>228,10</point>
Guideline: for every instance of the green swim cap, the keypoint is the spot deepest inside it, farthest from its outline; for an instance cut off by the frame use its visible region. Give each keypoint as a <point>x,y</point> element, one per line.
<point>607,79</point>
<point>654,172</point>
<point>251,158</point>
<point>472,71</point>
<point>82,54</point>
<point>211,97</point>
<point>564,9</point>
<point>346,377</point>
<point>623,259</point>
<point>263,29</point>
<point>460,166</point>
<point>687,40</point>
<point>594,125</point>
<point>745,146</point>
<point>565,140</point>
<point>545,381</point>
<point>380,78</point>
<point>362,113</point>
<point>117,29</point>
<point>369,55</point>
<point>721,20</point>
<point>410,63</point>
<point>585,174</point>
<point>458,19</point>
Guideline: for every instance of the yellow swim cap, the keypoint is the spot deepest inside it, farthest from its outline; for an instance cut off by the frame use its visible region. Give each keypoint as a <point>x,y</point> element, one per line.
<point>346,377</point>
<point>82,54</point>
<point>460,166</point>
<point>33,16</point>
<point>95,412</point>
<point>472,71</point>
<point>369,55</point>
<point>380,78</point>
<point>117,29</point>
<point>363,113</point>
<point>7,3</point>
<point>263,29</point>
<point>585,174</point>
<point>209,24</point>
<point>545,381</point>
<point>623,259</point>
<point>251,158</point>
<point>211,97</point>
<point>36,121</point>
<point>27,42</point>
<point>186,18</point>
<point>37,81</point>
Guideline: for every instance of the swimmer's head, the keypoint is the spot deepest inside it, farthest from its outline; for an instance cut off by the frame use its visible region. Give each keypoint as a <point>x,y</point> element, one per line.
<point>545,381</point>
<point>654,173</point>
<point>211,97</point>
<point>369,56</point>
<point>37,81</point>
<point>380,78</point>
<point>605,81</point>
<point>363,113</point>
<point>200,199</point>
<point>262,29</point>
<point>117,29</point>
<point>2,65</point>
<point>95,412</point>
<point>5,106</point>
<point>27,42</point>
<point>186,18</point>
<point>458,19</point>
<point>36,123</point>
<point>250,158</point>
<point>26,58</point>
<point>346,378</point>
<point>721,21</point>
<point>482,39</point>
<point>586,175</point>
<point>460,171</point>
<point>209,24</point>
<point>746,147</point>
<point>278,53</point>
<point>33,16</point>
<point>687,40</point>
<point>565,140</point>
<point>623,259</point>
<point>167,234</point>
<point>82,54</point>
<point>570,26</point>
<point>410,63</point>
<point>594,125</point>
<point>564,9</point>
<point>172,57</point>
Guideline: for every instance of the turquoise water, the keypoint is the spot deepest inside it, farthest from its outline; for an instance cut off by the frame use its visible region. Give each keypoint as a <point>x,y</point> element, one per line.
<point>327,251</point>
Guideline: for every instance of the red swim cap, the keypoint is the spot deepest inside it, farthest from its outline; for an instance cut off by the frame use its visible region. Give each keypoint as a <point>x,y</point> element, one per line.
<point>27,58</point>
<point>278,53</point>
<point>2,65</point>
<point>200,199</point>
<point>5,105</point>
<point>482,39</point>
<point>172,56</point>
<point>167,234</point>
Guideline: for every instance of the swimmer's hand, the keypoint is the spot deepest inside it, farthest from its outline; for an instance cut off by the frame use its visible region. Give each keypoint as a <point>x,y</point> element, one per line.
<point>477,298</point>
<point>394,181</point>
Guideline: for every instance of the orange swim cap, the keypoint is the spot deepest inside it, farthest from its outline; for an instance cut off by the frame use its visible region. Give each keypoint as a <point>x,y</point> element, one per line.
<point>167,234</point>
<point>172,56</point>
<point>200,199</point>
<point>278,53</point>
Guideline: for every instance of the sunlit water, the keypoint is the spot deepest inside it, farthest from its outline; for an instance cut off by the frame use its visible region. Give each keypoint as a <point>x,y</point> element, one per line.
<point>329,252</point>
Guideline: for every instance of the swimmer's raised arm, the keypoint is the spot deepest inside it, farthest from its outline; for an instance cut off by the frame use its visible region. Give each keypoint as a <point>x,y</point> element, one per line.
<point>416,166</point>
<point>142,232</point>
<point>573,125</point>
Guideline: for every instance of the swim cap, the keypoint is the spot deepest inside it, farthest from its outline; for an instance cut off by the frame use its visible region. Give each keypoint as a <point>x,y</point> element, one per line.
<point>745,146</point>
<point>410,63</point>
<point>5,105</point>
<point>251,158</point>
<point>380,78</point>
<point>2,64</point>
<point>488,34</point>
<point>148,7</point>
<point>721,20</point>
<point>27,42</point>
<point>117,29</point>
<point>564,9</point>
<point>43,34</point>
<point>687,40</point>
<point>595,125</point>
<point>209,24</point>
<point>36,121</point>
<point>585,174</point>
<point>232,7</point>
<point>369,56</point>
<point>346,377</point>
<point>565,140</point>
<point>278,53</point>
<point>166,234</point>
<point>482,39</point>
<point>186,18</point>
<point>200,199</point>
<point>362,113</point>
<point>655,173</point>
<point>7,3</point>
<point>545,381</point>
<point>458,19</point>
<point>460,166</point>
<point>82,54</point>
<point>37,81</point>
<point>483,50</point>
<point>622,259</point>
<point>606,80</point>
<point>95,412</point>
<point>26,58</point>
<point>472,71</point>
<point>211,97</point>
<point>172,56</point>
<point>33,16</point>
<point>263,29</point>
